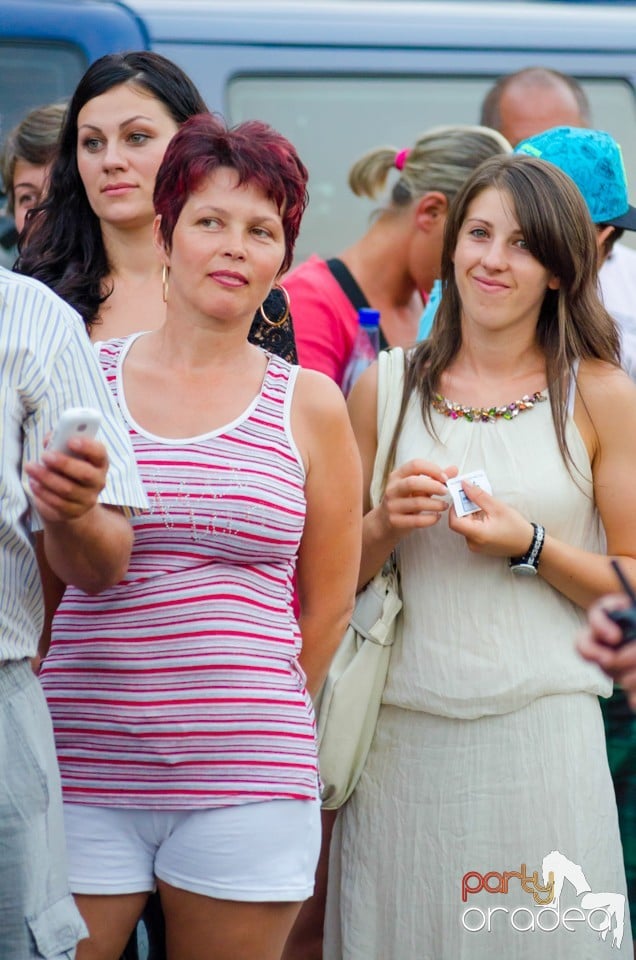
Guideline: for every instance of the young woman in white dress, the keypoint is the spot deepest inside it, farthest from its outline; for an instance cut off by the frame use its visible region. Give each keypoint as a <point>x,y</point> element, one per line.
<point>489,753</point>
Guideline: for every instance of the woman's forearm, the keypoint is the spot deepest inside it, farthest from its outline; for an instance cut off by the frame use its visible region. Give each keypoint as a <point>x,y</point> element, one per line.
<point>92,551</point>
<point>321,636</point>
<point>377,545</point>
<point>579,575</point>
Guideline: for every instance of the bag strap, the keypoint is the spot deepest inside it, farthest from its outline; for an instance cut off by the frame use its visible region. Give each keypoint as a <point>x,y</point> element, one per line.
<point>341,273</point>
<point>390,386</point>
<point>348,282</point>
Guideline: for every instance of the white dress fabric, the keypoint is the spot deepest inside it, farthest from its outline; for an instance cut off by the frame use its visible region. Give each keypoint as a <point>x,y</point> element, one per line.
<point>490,751</point>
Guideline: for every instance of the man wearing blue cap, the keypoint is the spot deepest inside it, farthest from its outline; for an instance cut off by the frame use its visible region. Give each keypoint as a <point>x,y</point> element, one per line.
<point>537,98</point>
<point>593,159</point>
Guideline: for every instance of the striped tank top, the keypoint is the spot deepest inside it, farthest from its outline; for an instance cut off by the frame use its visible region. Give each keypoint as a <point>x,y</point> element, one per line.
<point>180,687</point>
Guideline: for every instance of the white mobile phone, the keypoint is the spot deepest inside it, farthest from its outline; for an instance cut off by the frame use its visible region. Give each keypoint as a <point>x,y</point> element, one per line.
<point>74,422</point>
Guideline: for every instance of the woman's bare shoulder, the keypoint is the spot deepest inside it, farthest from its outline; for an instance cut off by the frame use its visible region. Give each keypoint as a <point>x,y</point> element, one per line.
<point>605,410</point>
<point>602,384</point>
<point>317,393</point>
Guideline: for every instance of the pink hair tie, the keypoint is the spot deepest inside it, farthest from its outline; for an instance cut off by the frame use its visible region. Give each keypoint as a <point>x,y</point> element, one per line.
<point>401,157</point>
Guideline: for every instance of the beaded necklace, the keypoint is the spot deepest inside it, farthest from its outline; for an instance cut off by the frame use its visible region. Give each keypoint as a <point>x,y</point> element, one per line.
<point>457,411</point>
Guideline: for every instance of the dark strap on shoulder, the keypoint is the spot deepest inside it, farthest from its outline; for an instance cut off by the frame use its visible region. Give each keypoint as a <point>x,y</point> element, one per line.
<point>346,280</point>
<point>350,286</point>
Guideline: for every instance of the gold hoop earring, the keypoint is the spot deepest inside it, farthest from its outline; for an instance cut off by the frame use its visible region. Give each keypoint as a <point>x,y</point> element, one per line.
<point>281,320</point>
<point>165,276</point>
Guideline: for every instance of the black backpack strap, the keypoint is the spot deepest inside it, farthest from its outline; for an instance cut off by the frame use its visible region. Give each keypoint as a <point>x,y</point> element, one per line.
<point>348,283</point>
<point>350,287</point>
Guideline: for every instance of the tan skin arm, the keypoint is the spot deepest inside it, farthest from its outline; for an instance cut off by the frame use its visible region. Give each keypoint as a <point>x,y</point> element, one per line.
<point>410,499</point>
<point>605,414</point>
<point>330,548</point>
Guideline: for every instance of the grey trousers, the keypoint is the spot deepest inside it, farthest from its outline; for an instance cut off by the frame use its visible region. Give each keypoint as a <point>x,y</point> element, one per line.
<point>38,917</point>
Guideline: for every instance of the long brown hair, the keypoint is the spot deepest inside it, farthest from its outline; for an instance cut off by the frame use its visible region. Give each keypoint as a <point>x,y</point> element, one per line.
<point>573,323</point>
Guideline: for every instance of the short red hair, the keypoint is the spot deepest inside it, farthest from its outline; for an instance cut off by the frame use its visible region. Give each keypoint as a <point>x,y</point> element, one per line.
<point>257,153</point>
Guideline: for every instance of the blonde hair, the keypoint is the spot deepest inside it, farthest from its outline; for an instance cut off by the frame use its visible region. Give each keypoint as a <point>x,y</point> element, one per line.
<point>441,159</point>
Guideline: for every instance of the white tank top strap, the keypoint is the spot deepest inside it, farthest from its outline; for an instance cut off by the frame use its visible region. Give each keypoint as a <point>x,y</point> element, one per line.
<point>574,372</point>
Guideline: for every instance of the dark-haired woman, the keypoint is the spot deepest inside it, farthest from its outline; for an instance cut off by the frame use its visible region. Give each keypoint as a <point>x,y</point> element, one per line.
<point>487,787</point>
<point>91,240</point>
<point>181,700</point>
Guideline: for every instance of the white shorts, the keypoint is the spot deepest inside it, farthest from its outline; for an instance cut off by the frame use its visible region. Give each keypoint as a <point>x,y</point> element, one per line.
<point>259,852</point>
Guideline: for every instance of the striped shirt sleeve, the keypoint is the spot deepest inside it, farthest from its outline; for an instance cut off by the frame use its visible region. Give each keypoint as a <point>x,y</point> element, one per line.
<point>66,373</point>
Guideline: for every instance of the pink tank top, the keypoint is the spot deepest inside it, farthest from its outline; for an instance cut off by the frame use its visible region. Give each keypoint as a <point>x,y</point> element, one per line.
<point>180,687</point>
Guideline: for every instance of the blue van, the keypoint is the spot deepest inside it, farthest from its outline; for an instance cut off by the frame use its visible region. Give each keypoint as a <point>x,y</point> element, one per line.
<point>46,45</point>
<point>336,76</point>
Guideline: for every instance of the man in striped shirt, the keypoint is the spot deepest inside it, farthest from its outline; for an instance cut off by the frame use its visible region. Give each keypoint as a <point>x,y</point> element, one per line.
<point>72,511</point>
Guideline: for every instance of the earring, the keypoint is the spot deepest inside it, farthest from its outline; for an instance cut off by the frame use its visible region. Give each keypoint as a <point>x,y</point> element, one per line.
<point>165,276</point>
<point>281,320</point>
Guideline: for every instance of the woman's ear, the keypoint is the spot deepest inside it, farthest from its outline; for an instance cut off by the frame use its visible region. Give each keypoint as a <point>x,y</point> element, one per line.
<point>159,242</point>
<point>602,236</point>
<point>554,283</point>
<point>430,210</point>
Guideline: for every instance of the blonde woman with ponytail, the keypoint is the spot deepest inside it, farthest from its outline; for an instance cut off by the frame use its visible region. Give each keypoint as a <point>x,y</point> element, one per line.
<point>396,261</point>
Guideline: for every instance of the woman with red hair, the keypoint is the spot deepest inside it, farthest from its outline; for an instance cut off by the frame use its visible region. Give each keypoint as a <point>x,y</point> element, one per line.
<point>181,698</point>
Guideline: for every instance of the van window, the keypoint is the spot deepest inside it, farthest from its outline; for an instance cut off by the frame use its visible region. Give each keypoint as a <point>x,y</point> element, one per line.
<point>34,75</point>
<point>333,120</point>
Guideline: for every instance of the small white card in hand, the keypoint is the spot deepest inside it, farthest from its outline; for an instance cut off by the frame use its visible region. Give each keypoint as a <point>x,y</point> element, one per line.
<point>463,505</point>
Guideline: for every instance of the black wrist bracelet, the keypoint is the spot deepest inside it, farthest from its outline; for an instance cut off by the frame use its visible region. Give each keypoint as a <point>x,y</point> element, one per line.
<point>529,564</point>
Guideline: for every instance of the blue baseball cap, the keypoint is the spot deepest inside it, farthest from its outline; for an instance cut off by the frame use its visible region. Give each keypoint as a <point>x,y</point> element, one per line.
<point>593,159</point>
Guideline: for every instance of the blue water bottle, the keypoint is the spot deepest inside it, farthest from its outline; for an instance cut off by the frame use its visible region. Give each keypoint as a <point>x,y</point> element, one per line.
<point>366,347</point>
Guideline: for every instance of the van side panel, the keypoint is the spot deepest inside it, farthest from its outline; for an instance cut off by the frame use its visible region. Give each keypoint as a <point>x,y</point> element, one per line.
<point>336,76</point>
<point>46,47</point>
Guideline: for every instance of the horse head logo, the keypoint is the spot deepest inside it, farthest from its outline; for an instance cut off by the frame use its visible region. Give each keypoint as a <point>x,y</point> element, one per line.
<point>611,904</point>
